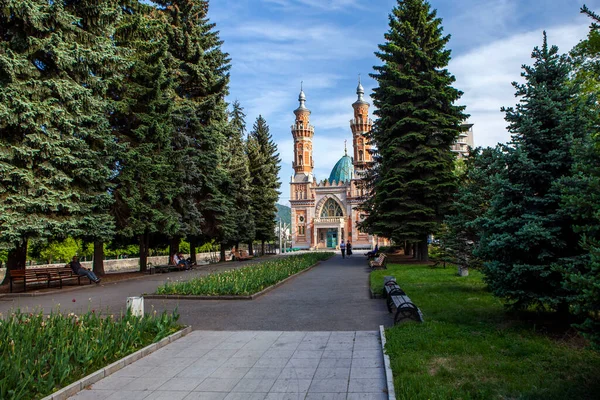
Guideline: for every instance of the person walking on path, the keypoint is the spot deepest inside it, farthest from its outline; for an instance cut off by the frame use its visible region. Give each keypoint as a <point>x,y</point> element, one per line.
<point>343,248</point>
<point>349,249</point>
<point>79,270</point>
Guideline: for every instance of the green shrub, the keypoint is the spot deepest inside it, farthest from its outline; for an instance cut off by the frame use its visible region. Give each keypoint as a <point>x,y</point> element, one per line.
<point>40,354</point>
<point>245,281</point>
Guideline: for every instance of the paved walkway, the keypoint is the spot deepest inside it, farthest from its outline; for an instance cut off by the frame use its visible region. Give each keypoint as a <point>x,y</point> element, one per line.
<point>332,296</point>
<point>250,365</point>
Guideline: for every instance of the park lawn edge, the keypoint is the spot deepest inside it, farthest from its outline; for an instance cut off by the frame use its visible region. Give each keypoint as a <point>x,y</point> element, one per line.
<point>470,348</point>
<point>249,296</point>
<point>90,379</point>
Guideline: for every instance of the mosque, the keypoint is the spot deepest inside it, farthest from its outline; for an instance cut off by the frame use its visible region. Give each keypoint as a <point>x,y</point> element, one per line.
<point>323,213</point>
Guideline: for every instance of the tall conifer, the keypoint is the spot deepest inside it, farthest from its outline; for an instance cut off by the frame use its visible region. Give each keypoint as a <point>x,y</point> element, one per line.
<point>199,118</point>
<point>527,239</point>
<point>56,59</point>
<point>264,176</point>
<point>144,180</point>
<point>417,123</point>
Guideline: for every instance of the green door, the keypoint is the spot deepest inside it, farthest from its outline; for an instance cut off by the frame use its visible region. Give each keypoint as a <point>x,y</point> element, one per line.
<point>332,238</point>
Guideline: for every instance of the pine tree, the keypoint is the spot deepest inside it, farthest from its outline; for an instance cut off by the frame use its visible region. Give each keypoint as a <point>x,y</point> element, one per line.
<point>144,182</point>
<point>581,191</point>
<point>527,239</point>
<point>264,164</point>
<point>238,168</point>
<point>199,119</point>
<point>417,123</point>
<point>462,234</point>
<point>55,62</point>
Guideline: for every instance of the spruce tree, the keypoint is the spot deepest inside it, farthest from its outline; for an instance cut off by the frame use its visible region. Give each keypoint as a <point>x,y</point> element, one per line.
<point>417,123</point>
<point>199,120</point>
<point>264,164</point>
<point>55,61</point>
<point>145,180</point>
<point>238,168</point>
<point>527,239</point>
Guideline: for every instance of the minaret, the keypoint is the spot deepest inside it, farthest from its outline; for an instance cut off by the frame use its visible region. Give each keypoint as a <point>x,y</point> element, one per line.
<point>303,133</point>
<point>360,125</point>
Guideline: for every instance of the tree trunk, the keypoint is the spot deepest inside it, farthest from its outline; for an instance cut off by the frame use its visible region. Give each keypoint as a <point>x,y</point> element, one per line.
<point>173,247</point>
<point>222,252</point>
<point>98,258</point>
<point>262,248</point>
<point>193,245</point>
<point>17,257</point>
<point>424,250</point>
<point>237,246</point>
<point>144,250</point>
<point>250,249</point>
<point>407,248</point>
<point>415,250</point>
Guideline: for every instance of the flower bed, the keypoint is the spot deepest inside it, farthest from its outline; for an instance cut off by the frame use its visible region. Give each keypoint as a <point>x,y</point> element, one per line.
<point>41,354</point>
<point>244,281</point>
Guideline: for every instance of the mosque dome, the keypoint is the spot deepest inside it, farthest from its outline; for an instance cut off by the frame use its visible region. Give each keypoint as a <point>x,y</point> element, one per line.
<point>343,171</point>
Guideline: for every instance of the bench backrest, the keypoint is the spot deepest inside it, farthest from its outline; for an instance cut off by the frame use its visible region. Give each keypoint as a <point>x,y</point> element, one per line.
<point>380,258</point>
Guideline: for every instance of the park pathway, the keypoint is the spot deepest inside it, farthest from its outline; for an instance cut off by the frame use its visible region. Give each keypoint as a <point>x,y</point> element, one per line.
<point>332,296</point>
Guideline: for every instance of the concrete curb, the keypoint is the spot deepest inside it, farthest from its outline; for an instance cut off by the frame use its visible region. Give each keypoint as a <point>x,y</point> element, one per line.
<point>250,297</point>
<point>94,377</point>
<point>389,376</point>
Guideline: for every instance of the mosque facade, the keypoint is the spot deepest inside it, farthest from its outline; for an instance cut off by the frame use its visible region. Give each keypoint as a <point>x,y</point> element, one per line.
<point>324,213</point>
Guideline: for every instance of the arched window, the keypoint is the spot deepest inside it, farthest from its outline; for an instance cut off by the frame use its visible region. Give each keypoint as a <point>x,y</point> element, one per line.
<point>360,155</point>
<point>331,209</point>
<point>300,160</point>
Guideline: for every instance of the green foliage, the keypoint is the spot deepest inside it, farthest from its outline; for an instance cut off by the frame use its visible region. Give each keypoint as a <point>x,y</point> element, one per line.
<point>56,140</point>
<point>60,251</point>
<point>245,281</point>
<point>526,238</point>
<point>469,348</point>
<point>40,354</point>
<point>459,237</point>
<point>237,164</point>
<point>264,164</point>
<point>418,122</point>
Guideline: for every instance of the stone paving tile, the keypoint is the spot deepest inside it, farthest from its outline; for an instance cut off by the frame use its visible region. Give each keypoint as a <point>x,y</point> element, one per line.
<point>93,394</point>
<point>358,373</point>
<point>367,396</point>
<point>249,365</point>
<point>332,373</point>
<point>245,396</point>
<point>254,385</point>
<point>291,385</point>
<point>217,385</point>
<point>181,384</point>
<point>167,395</point>
<point>128,395</point>
<point>367,385</point>
<point>205,396</point>
<point>328,385</point>
<point>297,373</point>
<point>325,396</point>
<point>335,362</point>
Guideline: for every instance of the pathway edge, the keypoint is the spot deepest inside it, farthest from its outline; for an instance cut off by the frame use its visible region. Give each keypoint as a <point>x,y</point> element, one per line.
<point>389,376</point>
<point>94,377</point>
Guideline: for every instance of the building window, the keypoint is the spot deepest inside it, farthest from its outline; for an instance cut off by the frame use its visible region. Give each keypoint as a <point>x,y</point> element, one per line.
<point>331,209</point>
<point>301,230</point>
<point>300,160</point>
<point>360,155</point>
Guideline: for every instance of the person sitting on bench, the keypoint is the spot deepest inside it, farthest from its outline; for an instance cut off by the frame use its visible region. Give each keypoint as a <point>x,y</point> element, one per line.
<point>79,270</point>
<point>373,252</point>
<point>181,262</point>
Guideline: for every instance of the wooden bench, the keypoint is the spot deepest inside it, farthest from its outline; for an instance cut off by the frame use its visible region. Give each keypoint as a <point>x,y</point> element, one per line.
<point>396,298</point>
<point>42,275</point>
<point>379,262</point>
<point>242,255</point>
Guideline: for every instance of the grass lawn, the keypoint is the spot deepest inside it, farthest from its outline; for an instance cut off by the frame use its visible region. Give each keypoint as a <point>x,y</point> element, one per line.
<point>470,348</point>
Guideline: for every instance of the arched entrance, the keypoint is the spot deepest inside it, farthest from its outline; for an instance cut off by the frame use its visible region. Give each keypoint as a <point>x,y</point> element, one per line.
<point>330,236</point>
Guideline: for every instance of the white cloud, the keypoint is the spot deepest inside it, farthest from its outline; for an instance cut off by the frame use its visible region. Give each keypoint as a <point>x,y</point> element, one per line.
<point>485,74</point>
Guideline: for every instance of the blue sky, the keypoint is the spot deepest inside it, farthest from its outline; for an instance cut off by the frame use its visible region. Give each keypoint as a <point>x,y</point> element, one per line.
<point>275,44</point>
